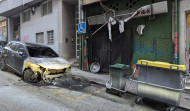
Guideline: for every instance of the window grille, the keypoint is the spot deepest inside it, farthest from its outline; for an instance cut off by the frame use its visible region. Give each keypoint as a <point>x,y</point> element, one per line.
<point>50,37</point>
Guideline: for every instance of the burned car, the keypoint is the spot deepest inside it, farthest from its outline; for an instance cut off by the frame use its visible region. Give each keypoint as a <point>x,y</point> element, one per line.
<point>34,62</point>
<point>2,44</point>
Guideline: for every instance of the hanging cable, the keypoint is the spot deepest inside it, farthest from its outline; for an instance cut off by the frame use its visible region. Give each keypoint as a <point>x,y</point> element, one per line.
<point>107,10</point>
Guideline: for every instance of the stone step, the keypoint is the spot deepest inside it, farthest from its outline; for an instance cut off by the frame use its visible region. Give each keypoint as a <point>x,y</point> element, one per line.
<point>187,89</point>
<point>75,64</point>
<point>188,84</point>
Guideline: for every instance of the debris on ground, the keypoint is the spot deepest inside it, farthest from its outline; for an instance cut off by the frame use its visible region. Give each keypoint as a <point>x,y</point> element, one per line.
<point>72,82</point>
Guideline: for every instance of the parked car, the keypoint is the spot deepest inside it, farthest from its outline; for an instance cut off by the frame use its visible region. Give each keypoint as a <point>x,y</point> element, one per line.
<point>34,62</point>
<point>2,44</point>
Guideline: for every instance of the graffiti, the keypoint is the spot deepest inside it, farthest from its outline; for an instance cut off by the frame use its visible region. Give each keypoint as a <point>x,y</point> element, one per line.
<point>26,38</point>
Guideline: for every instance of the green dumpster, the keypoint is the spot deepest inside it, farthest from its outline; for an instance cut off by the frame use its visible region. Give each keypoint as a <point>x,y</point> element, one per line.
<point>118,76</point>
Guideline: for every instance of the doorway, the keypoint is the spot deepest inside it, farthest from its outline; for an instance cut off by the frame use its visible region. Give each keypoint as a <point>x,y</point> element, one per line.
<point>17,26</point>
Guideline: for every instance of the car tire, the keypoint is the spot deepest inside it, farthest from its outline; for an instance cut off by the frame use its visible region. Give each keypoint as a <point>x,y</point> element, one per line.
<point>2,64</point>
<point>28,76</point>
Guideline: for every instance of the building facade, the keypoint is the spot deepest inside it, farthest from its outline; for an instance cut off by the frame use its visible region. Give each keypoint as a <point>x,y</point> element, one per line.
<point>54,22</point>
<point>48,22</point>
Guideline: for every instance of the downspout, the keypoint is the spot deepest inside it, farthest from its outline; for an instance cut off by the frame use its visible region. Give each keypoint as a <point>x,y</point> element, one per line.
<point>80,53</point>
<point>176,38</point>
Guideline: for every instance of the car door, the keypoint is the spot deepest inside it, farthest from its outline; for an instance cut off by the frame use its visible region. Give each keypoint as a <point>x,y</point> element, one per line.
<point>10,51</point>
<point>20,56</point>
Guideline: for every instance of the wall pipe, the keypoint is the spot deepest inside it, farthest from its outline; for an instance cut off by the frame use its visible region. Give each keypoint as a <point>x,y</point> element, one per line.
<point>176,37</point>
<point>79,18</point>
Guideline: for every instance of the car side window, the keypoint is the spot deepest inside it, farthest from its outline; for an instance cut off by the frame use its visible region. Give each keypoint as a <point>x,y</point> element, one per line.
<point>13,46</point>
<point>21,48</point>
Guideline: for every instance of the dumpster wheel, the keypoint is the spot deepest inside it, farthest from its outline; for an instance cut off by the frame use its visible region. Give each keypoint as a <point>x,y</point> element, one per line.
<point>170,108</point>
<point>120,94</point>
<point>138,100</point>
<point>107,90</point>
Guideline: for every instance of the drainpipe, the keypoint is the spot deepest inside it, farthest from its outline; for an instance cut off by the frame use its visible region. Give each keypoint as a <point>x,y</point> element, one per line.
<point>176,38</point>
<point>79,17</point>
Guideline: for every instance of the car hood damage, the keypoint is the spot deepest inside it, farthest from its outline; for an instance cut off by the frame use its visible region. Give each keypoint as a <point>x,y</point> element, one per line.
<point>48,68</point>
<point>51,63</point>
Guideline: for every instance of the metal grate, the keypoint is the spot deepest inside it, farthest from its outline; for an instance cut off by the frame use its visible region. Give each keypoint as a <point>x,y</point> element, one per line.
<point>50,37</point>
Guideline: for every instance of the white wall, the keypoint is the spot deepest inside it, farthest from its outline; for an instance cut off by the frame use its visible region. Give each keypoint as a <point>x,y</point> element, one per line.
<point>39,23</point>
<point>184,8</point>
<point>61,20</point>
<point>68,20</point>
<point>6,5</point>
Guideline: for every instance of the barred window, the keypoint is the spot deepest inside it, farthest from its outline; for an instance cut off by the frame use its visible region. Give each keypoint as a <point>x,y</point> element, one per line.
<point>47,8</point>
<point>50,37</point>
<point>26,16</point>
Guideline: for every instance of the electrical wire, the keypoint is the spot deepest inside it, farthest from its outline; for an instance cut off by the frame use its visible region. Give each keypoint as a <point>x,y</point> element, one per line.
<point>107,10</point>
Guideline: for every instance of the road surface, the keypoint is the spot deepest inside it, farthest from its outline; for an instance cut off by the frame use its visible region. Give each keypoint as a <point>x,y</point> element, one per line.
<point>16,95</point>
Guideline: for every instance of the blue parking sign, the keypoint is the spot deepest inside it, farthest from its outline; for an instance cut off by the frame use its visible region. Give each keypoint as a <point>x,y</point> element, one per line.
<point>81,28</point>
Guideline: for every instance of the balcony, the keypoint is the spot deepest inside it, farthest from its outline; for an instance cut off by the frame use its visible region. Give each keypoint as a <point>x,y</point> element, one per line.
<point>11,7</point>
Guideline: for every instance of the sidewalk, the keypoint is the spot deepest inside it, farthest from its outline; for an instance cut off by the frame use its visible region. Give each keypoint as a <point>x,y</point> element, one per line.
<point>101,78</point>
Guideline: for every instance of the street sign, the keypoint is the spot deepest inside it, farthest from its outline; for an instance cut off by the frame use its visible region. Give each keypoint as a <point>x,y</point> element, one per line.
<point>81,28</point>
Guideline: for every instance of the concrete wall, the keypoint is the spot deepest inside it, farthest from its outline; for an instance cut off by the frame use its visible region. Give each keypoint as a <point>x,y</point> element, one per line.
<point>68,41</point>
<point>61,20</point>
<point>184,9</point>
<point>39,23</point>
<point>6,5</point>
<point>10,29</point>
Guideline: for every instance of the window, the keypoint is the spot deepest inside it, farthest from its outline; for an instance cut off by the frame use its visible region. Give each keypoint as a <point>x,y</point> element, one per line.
<point>40,38</point>
<point>47,8</point>
<point>21,48</point>
<point>41,52</point>
<point>13,46</point>
<point>50,37</point>
<point>26,16</point>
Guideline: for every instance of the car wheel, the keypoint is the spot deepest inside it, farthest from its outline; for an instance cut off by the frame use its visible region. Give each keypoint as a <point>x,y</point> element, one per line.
<point>29,76</point>
<point>2,64</point>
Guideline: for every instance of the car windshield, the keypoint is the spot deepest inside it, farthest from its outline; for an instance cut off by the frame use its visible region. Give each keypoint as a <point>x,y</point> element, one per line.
<point>41,52</point>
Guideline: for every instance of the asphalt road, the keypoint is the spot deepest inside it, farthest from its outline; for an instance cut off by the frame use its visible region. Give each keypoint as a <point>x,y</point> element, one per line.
<point>16,95</point>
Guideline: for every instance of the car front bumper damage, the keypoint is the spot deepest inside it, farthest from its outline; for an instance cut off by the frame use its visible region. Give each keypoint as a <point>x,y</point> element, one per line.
<point>47,75</point>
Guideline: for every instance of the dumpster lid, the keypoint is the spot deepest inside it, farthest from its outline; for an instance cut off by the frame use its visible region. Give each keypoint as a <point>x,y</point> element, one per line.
<point>162,65</point>
<point>120,66</point>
